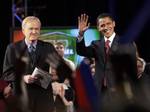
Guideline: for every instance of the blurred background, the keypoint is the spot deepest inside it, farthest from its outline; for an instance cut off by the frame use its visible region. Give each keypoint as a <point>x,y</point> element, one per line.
<point>132,17</point>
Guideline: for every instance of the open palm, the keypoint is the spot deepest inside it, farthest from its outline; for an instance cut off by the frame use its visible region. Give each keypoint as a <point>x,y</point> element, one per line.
<point>83,24</point>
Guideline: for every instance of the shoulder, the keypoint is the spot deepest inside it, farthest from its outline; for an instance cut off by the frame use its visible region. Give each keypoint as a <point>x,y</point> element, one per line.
<point>18,43</point>
<point>97,42</point>
<point>15,45</point>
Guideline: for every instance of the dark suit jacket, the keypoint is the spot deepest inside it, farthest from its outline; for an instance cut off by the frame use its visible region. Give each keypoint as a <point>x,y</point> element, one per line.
<point>122,59</point>
<point>18,62</point>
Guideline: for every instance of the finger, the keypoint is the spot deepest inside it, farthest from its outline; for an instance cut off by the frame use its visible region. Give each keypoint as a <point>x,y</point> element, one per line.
<point>79,20</point>
<point>82,17</point>
<point>9,85</point>
<point>86,18</point>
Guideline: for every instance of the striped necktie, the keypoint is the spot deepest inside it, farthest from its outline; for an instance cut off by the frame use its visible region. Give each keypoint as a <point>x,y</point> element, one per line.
<point>32,48</point>
<point>107,46</point>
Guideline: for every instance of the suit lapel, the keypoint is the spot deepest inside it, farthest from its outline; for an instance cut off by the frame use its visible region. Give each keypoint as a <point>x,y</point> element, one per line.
<point>23,49</point>
<point>26,54</point>
<point>38,51</point>
<point>115,44</point>
<point>23,54</point>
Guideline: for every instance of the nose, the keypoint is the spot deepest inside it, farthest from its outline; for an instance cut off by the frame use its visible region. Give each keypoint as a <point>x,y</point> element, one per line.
<point>105,27</point>
<point>34,31</point>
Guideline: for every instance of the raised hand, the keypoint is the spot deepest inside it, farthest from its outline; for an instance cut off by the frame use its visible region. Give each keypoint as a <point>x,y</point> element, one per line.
<point>83,24</point>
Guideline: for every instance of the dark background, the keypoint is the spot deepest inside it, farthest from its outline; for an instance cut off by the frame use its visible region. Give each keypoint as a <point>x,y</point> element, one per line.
<point>132,17</point>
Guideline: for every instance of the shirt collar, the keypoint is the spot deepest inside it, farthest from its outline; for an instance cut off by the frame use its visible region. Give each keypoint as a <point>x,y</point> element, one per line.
<point>111,38</point>
<point>34,43</point>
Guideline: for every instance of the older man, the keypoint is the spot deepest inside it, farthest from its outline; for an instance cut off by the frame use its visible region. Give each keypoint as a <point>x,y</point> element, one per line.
<point>22,57</point>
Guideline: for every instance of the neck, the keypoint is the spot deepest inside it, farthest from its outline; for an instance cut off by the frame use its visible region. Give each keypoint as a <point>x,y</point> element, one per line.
<point>31,41</point>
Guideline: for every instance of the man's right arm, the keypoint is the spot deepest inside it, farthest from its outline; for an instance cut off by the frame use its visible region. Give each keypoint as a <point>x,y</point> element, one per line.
<point>8,65</point>
<point>80,36</point>
<point>83,25</point>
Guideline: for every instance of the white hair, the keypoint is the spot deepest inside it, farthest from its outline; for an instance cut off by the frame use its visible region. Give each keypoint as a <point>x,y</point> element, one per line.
<point>30,19</point>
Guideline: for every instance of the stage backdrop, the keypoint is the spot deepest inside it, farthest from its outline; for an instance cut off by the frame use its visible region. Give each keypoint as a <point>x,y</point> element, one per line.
<point>65,34</point>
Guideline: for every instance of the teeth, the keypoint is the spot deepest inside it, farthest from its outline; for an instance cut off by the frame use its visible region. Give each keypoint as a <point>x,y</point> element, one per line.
<point>106,30</point>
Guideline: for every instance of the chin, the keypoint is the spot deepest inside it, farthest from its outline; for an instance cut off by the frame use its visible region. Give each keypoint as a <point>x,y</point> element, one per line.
<point>108,35</point>
<point>33,39</point>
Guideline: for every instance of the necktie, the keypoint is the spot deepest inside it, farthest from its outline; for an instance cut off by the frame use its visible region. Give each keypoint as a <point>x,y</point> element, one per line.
<point>31,48</point>
<point>107,46</point>
<point>32,52</point>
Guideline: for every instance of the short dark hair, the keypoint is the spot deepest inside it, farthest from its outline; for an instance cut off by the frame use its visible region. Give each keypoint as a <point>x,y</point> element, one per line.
<point>103,15</point>
<point>58,43</point>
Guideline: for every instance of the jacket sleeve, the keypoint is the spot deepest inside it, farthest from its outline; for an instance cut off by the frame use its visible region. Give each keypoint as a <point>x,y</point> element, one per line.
<point>9,64</point>
<point>83,50</point>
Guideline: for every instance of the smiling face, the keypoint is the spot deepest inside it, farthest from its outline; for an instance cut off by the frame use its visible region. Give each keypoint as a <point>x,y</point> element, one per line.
<point>106,26</point>
<point>31,28</point>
